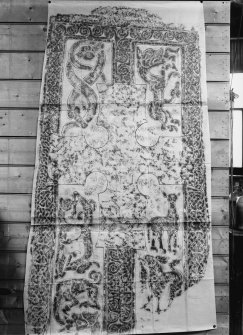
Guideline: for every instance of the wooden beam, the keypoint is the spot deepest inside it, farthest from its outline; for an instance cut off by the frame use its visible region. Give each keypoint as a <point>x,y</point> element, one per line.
<point>16,207</point>
<point>27,94</point>
<point>220,239</point>
<point>21,65</point>
<point>15,297</point>
<point>220,183</point>
<point>222,328</point>
<point>22,151</point>
<point>216,11</point>
<point>22,37</point>
<point>32,37</point>
<point>19,179</point>
<point>23,11</point>
<point>12,329</point>
<point>36,11</point>
<point>24,123</point>
<point>221,269</point>
<point>218,96</point>
<point>220,153</point>
<point>12,316</point>
<point>217,67</point>
<point>17,151</point>
<point>14,237</point>
<point>20,93</point>
<point>13,267</point>
<point>222,325</point>
<point>15,316</point>
<point>16,287</point>
<point>18,122</point>
<point>222,298</point>
<point>16,179</point>
<point>220,211</point>
<point>219,125</point>
<point>217,38</point>
<point>28,65</point>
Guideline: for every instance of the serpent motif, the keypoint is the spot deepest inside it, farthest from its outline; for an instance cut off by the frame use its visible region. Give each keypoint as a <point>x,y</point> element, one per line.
<point>164,61</point>
<point>88,57</point>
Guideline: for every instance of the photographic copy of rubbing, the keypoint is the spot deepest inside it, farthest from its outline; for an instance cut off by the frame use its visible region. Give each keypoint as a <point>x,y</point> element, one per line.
<point>120,238</point>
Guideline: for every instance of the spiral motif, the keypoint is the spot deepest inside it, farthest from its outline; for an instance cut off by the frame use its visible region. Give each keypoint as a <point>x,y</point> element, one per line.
<point>95,276</point>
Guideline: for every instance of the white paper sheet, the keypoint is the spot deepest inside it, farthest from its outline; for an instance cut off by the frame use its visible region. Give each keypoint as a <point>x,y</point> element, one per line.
<point>120,237</point>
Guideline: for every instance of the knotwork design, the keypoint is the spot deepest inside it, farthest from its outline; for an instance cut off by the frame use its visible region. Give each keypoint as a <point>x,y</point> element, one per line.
<point>120,202</point>
<point>88,58</point>
<point>73,314</point>
<point>157,67</point>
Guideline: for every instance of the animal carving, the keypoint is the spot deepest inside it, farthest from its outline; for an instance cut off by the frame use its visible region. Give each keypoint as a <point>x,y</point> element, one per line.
<point>157,68</point>
<point>162,274</point>
<point>77,208</point>
<point>158,274</point>
<point>82,101</point>
<point>76,305</point>
<point>168,223</point>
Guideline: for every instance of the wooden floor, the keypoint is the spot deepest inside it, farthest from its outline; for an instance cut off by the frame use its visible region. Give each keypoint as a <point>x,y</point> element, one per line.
<point>22,44</point>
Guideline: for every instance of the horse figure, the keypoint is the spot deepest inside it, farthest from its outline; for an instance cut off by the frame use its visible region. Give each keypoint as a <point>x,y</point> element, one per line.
<point>169,223</point>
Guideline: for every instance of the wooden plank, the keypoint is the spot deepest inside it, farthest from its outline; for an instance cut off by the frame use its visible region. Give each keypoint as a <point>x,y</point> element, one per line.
<point>21,65</point>
<point>23,11</point>
<point>19,179</point>
<point>28,65</point>
<point>12,329</point>
<point>36,11</point>
<point>26,94</point>
<point>22,37</point>
<point>32,37</point>
<point>217,38</point>
<point>222,298</point>
<point>220,239</point>
<point>220,211</point>
<point>13,297</point>
<point>220,183</point>
<point>12,316</point>
<point>18,122</point>
<point>220,153</point>
<point>19,93</point>
<point>216,11</point>
<point>222,325</point>
<point>217,66</point>
<point>16,179</point>
<point>13,266</point>
<point>24,123</point>
<point>17,151</point>
<point>14,237</point>
<point>219,125</point>
<point>16,287</point>
<point>22,151</point>
<point>222,329</point>
<point>15,207</point>
<point>19,329</point>
<point>218,95</point>
<point>221,269</point>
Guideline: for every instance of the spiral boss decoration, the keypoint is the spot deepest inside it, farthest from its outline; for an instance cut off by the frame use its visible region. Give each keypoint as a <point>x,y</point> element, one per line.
<point>120,238</point>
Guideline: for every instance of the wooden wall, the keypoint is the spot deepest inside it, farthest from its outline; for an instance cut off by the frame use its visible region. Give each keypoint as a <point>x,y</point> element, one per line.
<point>22,44</point>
